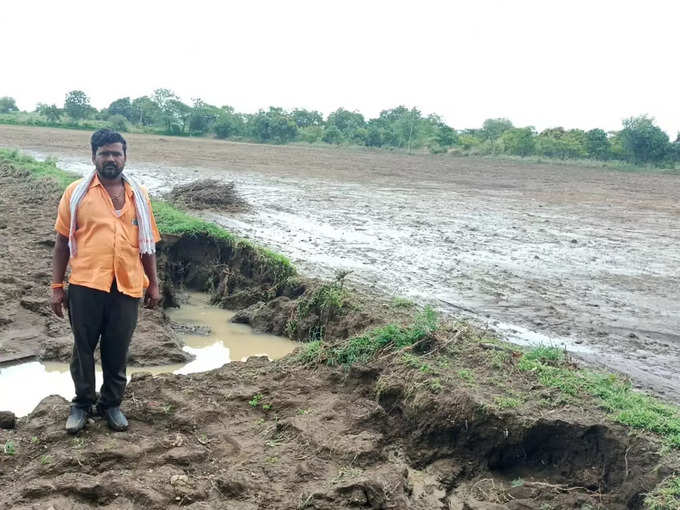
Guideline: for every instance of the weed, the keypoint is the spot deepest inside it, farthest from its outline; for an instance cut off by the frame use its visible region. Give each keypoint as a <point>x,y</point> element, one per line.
<point>167,408</point>
<point>255,401</point>
<point>273,443</point>
<point>465,374</point>
<point>272,460</point>
<point>435,385</point>
<point>325,302</point>
<point>665,496</point>
<point>35,440</point>
<point>45,459</point>
<point>9,448</point>
<point>507,402</point>
<point>302,411</point>
<point>545,354</point>
<point>266,407</point>
<point>78,442</point>
<point>517,482</point>
<point>416,363</point>
<point>617,396</point>
<point>364,348</point>
<point>310,353</point>
<point>500,358</point>
<point>400,302</point>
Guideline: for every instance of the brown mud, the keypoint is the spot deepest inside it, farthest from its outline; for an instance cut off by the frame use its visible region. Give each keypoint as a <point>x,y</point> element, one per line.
<point>554,253</point>
<point>274,435</point>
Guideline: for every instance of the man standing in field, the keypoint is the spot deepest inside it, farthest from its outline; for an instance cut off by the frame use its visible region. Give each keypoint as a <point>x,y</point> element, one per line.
<point>106,229</point>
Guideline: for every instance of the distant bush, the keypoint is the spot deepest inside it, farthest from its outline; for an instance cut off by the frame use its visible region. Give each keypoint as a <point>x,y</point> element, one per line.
<point>118,123</point>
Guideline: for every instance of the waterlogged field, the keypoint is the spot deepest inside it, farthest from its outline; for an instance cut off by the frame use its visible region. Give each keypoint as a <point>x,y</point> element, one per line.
<point>585,257</point>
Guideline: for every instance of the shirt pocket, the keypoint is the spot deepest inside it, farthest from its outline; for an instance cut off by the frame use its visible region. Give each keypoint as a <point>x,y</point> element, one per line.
<point>131,231</point>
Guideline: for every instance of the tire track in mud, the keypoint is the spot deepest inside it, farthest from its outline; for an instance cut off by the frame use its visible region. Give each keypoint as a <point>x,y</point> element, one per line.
<point>539,258</point>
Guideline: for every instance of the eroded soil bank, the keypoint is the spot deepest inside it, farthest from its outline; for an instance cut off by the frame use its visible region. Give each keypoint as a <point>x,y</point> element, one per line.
<point>256,435</point>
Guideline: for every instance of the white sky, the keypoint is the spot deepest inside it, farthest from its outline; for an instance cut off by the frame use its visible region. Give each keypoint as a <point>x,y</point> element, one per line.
<point>537,62</point>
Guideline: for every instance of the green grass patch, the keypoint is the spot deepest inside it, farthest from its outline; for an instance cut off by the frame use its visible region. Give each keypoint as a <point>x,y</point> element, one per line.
<point>617,396</point>
<point>39,169</point>
<point>401,302</point>
<point>364,348</point>
<point>508,402</point>
<point>665,496</point>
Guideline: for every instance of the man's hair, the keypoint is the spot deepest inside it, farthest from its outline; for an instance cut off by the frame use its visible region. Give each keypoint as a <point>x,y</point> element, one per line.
<point>105,137</point>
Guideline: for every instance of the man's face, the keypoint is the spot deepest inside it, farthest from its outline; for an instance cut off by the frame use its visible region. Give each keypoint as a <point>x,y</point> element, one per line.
<point>109,160</point>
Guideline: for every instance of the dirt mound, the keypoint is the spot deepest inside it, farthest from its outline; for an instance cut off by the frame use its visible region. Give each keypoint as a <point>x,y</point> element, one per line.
<point>28,328</point>
<point>208,194</point>
<point>275,435</point>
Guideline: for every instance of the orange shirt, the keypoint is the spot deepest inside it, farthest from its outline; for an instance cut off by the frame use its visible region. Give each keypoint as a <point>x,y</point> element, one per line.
<point>107,244</point>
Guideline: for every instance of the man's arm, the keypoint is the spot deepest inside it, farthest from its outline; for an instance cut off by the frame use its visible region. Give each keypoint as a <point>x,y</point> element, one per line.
<point>59,261</point>
<point>153,295</point>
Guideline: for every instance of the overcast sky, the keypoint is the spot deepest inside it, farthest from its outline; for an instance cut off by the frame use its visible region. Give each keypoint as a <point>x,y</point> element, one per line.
<point>544,63</point>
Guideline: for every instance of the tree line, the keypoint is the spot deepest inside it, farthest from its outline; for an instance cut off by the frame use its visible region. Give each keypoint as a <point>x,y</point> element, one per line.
<point>640,141</point>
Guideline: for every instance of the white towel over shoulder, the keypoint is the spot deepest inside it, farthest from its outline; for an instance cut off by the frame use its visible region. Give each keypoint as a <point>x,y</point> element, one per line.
<point>146,240</point>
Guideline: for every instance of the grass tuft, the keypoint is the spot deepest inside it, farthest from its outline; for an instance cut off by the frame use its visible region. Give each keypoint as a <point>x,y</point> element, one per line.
<point>364,348</point>
<point>666,496</point>
<point>617,396</point>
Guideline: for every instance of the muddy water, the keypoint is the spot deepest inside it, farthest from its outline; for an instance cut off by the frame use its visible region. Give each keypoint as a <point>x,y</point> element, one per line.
<point>23,386</point>
<point>575,257</point>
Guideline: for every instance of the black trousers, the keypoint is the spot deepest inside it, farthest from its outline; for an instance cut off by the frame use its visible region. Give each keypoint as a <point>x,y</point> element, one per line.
<point>111,316</point>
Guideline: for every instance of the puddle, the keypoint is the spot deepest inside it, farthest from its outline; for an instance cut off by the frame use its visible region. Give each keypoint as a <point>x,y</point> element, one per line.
<point>23,386</point>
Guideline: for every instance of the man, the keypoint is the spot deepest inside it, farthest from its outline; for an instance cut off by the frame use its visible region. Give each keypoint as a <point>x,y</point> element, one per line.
<point>106,229</point>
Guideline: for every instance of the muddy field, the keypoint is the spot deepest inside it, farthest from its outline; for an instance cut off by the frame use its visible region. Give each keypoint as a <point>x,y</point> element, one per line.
<point>582,256</point>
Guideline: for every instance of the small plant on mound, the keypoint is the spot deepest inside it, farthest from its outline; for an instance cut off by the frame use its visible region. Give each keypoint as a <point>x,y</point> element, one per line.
<point>324,304</point>
<point>364,348</point>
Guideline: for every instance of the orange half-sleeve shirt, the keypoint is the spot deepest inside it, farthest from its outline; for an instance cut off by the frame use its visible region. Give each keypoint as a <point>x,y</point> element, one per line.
<point>108,244</point>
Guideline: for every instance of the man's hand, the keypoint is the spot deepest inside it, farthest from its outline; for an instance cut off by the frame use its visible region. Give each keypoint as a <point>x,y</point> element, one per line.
<point>152,296</point>
<point>58,300</point>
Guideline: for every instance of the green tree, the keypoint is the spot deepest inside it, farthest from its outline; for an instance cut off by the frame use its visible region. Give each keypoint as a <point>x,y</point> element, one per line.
<point>51,112</point>
<point>402,127</point>
<point>643,142</point>
<point>332,134</point>
<point>176,116</point>
<point>118,123</point>
<point>306,118</point>
<point>123,107</point>
<point>275,125</point>
<point>346,122</point>
<point>144,111</point>
<point>492,129</point>
<point>597,144</point>
<point>202,117</point>
<point>519,141</point>
<point>374,135</point>
<point>8,105</point>
<point>77,105</point>
<point>228,123</point>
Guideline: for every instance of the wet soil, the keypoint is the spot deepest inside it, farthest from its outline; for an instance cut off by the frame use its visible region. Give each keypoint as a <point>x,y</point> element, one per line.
<point>566,254</point>
<point>402,432</point>
<point>275,435</point>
